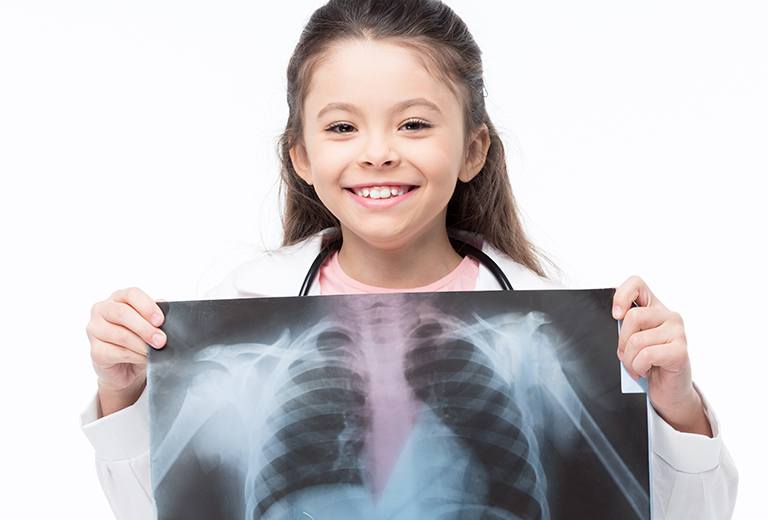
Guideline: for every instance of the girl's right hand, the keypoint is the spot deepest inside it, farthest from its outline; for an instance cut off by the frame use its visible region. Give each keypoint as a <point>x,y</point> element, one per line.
<point>119,330</point>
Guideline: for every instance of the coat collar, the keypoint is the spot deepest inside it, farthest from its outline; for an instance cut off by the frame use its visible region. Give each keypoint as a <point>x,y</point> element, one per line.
<point>281,272</point>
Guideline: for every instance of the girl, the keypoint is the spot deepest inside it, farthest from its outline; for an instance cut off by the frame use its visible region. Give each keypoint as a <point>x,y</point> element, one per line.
<point>387,153</point>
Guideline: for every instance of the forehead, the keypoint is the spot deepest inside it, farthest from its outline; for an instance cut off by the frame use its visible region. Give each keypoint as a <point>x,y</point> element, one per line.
<point>375,74</point>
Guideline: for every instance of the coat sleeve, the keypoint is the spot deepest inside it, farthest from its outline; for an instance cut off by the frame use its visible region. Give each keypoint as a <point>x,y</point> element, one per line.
<point>692,476</point>
<point>121,444</point>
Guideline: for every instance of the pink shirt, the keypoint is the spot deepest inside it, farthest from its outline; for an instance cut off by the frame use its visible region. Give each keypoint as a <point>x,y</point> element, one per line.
<point>394,413</point>
<point>333,280</point>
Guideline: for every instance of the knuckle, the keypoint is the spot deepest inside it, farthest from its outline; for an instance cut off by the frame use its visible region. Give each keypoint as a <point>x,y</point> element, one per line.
<point>108,308</point>
<point>631,343</point>
<point>678,330</point>
<point>124,337</point>
<point>121,312</point>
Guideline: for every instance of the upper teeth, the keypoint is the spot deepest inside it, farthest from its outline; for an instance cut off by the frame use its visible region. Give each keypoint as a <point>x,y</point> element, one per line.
<point>382,192</point>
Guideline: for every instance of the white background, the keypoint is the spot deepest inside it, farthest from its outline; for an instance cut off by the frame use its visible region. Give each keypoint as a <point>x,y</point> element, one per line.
<point>138,144</point>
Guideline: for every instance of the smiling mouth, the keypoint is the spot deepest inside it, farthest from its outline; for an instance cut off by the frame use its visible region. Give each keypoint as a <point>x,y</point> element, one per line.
<point>382,192</point>
<point>382,202</point>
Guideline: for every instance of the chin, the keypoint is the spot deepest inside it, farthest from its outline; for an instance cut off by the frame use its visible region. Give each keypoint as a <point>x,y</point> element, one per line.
<point>382,237</point>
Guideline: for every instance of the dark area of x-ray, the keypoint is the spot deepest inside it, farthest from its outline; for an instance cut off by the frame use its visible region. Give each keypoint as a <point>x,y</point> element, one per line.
<point>450,405</point>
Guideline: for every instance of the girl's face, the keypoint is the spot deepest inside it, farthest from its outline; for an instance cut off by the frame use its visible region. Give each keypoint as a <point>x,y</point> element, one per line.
<point>375,116</point>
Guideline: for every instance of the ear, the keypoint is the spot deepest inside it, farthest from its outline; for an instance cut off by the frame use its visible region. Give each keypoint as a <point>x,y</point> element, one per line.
<point>300,161</point>
<point>477,152</point>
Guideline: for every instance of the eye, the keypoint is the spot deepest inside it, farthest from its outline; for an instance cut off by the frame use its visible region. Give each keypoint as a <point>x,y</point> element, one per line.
<point>334,126</point>
<point>421,123</point>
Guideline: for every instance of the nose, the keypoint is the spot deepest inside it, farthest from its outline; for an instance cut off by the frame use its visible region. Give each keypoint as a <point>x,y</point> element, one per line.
<point>378,153</point>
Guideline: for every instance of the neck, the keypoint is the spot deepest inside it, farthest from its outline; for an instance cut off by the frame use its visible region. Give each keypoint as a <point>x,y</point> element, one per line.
<point>414,262</point>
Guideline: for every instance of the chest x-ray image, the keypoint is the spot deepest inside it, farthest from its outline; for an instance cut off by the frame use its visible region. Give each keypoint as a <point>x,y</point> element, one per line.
<point>452,406</point>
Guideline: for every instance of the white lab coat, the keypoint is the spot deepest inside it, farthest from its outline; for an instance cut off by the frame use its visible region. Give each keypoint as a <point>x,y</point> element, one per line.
<point>693,475</point>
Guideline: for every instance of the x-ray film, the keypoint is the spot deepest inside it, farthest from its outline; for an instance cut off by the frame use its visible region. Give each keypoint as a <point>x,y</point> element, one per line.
<point>424,406</point>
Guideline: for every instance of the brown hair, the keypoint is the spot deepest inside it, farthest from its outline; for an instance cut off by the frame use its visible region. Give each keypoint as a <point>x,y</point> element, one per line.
<point>485,205</point>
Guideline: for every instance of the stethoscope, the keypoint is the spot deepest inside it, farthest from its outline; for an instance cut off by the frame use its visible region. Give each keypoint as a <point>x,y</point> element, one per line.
<point>461,248</point>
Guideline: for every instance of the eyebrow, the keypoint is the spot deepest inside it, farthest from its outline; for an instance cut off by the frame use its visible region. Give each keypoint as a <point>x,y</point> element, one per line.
<point>397,108</point>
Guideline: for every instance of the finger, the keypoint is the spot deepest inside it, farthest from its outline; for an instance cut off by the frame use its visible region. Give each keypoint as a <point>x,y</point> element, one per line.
<point>634,289</point>
<point>664,355</point>
<point>143,304</point>
<point>637,319</point>
<point>664,333</point>
<point>125,315</point>
<point>661,335</point>
<point>106,355</point>
<point>119,335</point>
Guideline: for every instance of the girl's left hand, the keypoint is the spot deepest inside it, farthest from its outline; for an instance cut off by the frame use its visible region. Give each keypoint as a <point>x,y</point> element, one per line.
<point>652,344</point>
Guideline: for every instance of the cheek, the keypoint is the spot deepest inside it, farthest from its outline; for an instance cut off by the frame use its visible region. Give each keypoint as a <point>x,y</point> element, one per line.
<point>329,160</point>
<point>437,159</point>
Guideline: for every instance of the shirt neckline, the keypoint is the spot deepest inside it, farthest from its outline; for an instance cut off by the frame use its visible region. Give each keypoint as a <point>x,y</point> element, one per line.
<point>434,286</point>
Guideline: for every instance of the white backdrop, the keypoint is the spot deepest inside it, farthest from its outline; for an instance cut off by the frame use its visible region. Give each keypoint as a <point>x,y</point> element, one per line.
<point>138,144</point>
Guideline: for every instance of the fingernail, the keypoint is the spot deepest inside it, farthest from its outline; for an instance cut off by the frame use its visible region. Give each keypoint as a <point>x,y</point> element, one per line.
<point>616,312</point>
<point>157,319</point>
<point>157,340</point>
